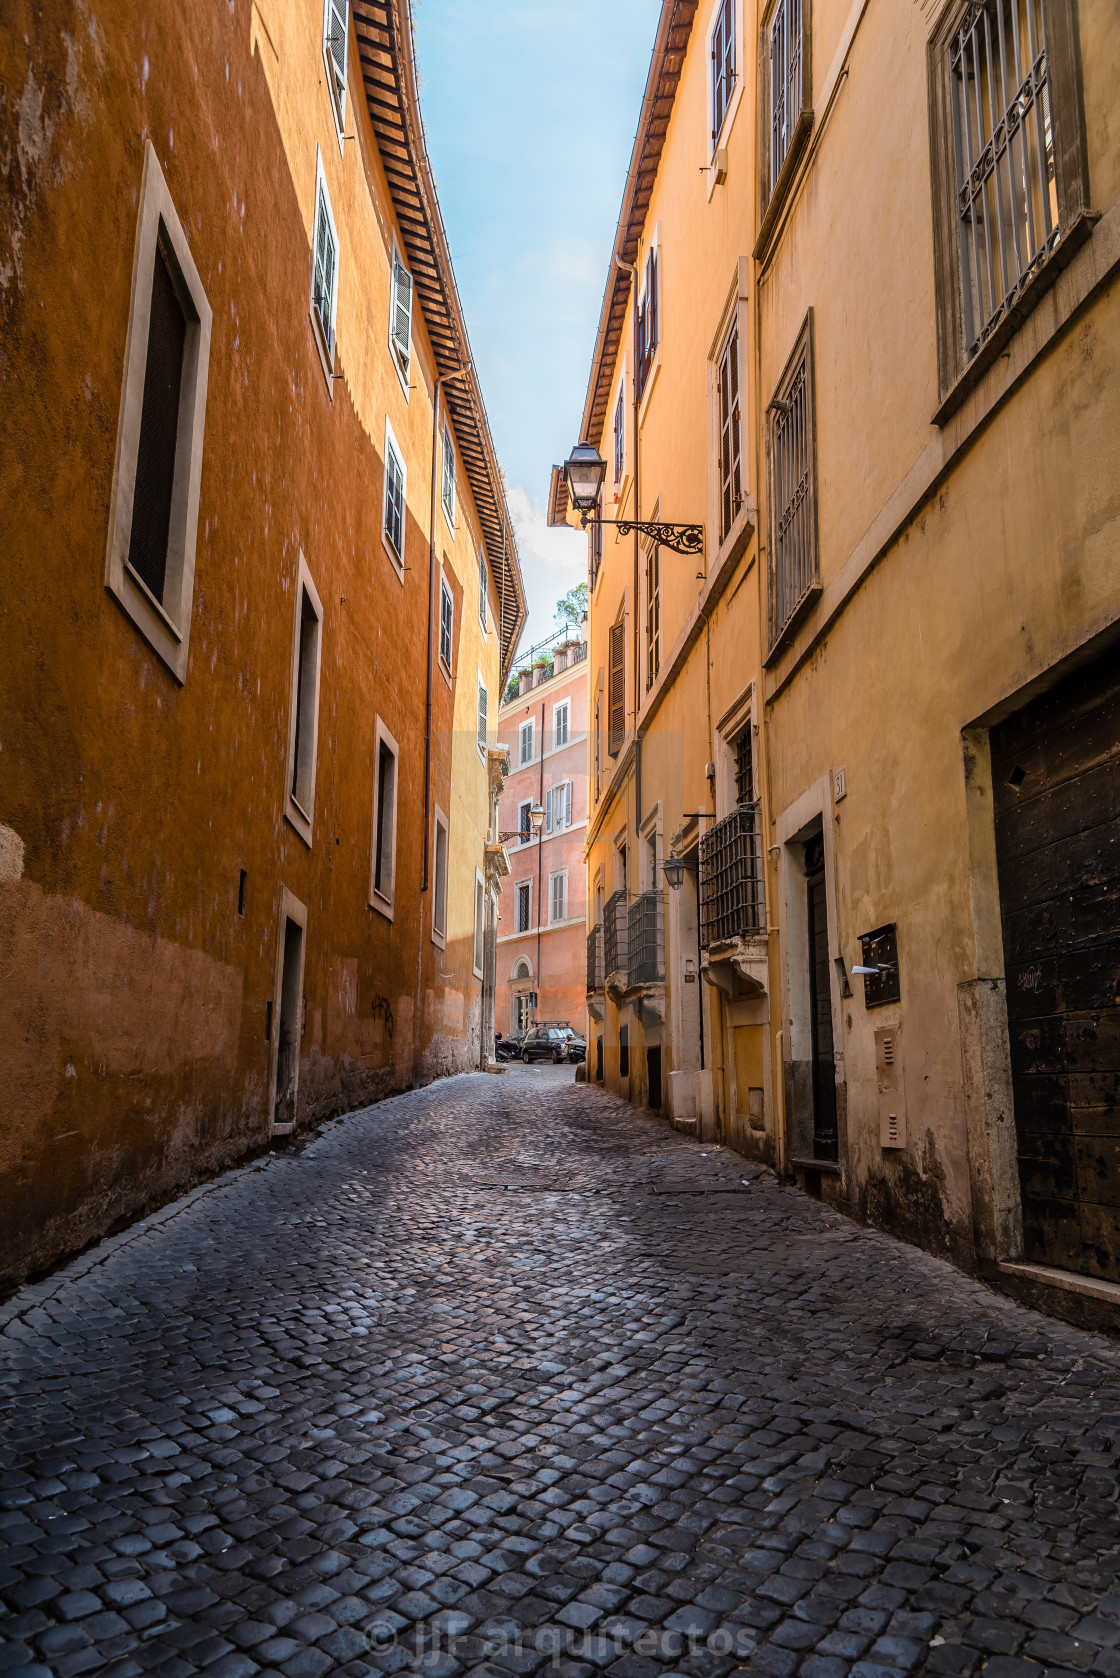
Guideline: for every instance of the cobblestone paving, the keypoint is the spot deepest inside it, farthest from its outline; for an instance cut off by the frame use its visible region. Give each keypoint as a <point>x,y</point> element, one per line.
<point>502,1377</point>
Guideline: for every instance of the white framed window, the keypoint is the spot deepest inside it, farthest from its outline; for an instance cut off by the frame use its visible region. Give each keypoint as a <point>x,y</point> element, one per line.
<point>383,858</point>
<point>723,66</point>
<point>561,724</point>
<point>649,316</point>
<point>525,742</point>
<point>558,807</point>
<point>483,581</point>
<point>620,434</point>
<point>400,319</point>
<point>439,880</point>
<point>479,922</point>
<point>523,905</point>
<point>446,623</point>
<point>558,897</point>
<point>393,512</point>
<point>303,705</point>
<point>524,825</point>
<point>324,272</point>
<point>336,36</point>
<point>483,707</point>
<point>153,506</point>
<point>448,492</point>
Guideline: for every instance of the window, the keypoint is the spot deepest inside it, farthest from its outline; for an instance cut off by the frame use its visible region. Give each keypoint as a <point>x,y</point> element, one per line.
<point>744,769</point>
<point>446,622</point>
<point>558,897</point>
<point>561,724</point>
<point>449,476</point>
<point>595,544</point>
<point>730,434</point>
<point>616,721</point>
<point>439,882</point>
<point>558,807</point>
<point>723,66</point>
<point>303,727</point>
<point>524,825</point>
<point>384,860</point>
<point>324,276</point>
<point>523,1017</point>
<point>620,434</point>
<point>482,588</point>
<point>790,454</point>
<point>524,905</point>
<point>624,1051</point>
<point>653,614</point>
<point>525,742</point>
<point>479,923</point>
<point>597,758</point>
<point>153,513</point>
<point>400,319</point>
<point>392,521</point>
<point>1010,175</point>
<point>483,705</point>
<point>647,320</point>
<point>335,42</point>
<point>785,82</point>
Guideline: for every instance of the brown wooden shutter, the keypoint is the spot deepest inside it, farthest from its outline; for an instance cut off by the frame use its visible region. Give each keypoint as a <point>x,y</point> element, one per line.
<point>617,724</point>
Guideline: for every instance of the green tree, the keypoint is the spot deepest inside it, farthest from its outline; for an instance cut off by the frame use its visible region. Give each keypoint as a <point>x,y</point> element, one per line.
<point>571,608</point>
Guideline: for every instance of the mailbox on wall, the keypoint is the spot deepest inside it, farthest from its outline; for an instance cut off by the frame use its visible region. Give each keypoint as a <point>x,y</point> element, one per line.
<point>879,967</point>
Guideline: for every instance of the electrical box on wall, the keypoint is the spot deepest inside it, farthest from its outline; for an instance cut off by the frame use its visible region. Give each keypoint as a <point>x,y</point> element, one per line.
<point>892,1094</point>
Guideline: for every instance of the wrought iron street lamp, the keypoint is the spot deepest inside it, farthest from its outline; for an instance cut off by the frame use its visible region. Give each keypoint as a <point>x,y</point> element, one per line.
<point>536,818</point>
<point>585,471</point>
<point>673,870</point>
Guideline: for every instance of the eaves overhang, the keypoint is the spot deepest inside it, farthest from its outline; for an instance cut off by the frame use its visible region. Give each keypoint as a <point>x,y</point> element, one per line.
<point>387,53</point>
<point>674,31</point>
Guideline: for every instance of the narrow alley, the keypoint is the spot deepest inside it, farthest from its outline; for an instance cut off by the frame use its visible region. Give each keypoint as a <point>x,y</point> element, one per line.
<point>501,1373</point>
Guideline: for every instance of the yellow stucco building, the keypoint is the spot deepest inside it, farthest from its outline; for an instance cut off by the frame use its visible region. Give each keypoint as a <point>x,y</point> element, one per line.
<point>871,347</point>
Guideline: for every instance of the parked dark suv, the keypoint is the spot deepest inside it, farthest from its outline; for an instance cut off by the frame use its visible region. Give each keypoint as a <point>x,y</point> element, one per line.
<point>545,1042</point>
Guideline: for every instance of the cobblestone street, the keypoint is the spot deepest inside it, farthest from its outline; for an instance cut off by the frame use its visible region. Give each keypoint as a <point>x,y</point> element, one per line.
<point>500,1374</point>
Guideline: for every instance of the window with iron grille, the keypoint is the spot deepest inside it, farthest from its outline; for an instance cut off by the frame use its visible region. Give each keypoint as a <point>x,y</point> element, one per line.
<point>791,469</point>
<point>524,825</point>
<point>732,896</point>
<point>619,437</point>
<point>393,513</point>
<point>595,544</point>
<point>648,322</point>
<point>335,41</point>
<point>446,622</point>
<point>1009,169</point>
<point>400,318</point>
<point>617,693</point>
<point>653,614</point>
<point>730,434</point>
<point>785,81</point>
<point>324,292</point>
<point>449,476</point>
<point>524,905</point>
<point>723,66</point>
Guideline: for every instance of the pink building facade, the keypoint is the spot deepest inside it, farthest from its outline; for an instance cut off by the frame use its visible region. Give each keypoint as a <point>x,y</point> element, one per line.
<point>542,925</point>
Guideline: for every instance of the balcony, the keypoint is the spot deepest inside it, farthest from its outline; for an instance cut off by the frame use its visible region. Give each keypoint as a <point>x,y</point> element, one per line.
<point>732,898</point>
<point>594,960</point>
<point>615,939</point>
<point>645,937</point>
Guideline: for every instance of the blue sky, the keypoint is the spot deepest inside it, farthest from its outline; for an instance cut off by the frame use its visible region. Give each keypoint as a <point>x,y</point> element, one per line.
<point>530,110</point>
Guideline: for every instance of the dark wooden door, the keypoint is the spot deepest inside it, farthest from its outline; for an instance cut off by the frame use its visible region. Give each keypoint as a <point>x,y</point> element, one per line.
<point>1056,769</point>
<point>825,1145</point>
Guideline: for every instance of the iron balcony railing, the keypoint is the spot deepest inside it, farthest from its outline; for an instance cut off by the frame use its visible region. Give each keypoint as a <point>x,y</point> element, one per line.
<point>732,900</point>
<point>646,939</point>
<point>614,934</point>
<point>595,959</point>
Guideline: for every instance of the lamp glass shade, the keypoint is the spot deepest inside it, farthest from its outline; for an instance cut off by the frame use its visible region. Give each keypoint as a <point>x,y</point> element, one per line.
<point>585,470</point>
<point>673,870</point>
<point>536,818</point>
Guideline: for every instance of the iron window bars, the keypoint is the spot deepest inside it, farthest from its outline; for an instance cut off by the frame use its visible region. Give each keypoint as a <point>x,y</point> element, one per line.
<point>732,897</point>
<point>615,928</point>
<point>791,463</point>
<point>1009,173</point>
<point>645,941</point>
<point>785,82</point>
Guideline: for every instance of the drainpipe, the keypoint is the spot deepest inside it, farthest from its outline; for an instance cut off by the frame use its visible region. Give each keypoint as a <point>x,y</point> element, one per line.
<point>632,269</point>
